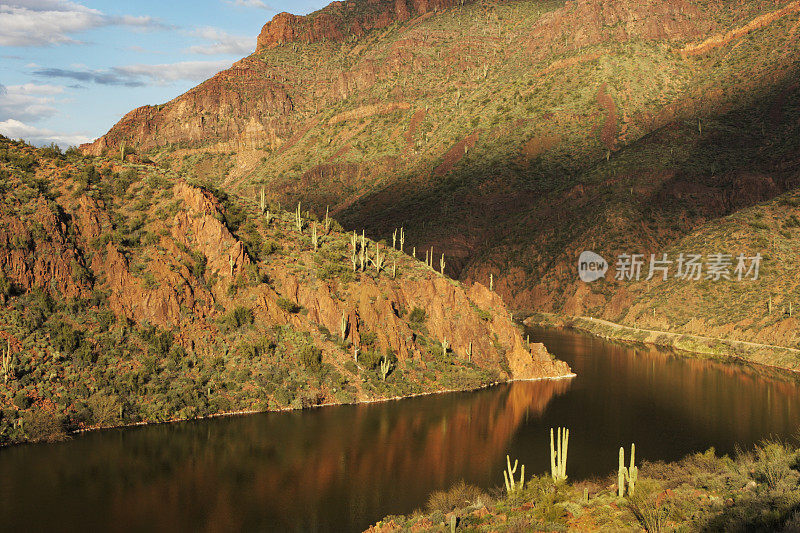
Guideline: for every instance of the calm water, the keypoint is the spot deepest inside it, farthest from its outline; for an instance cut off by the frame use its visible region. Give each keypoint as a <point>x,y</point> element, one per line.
<point>342,468</point>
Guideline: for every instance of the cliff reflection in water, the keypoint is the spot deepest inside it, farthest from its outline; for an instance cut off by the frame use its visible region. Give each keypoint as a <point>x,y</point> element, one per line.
<point>328,469</point>
<point>342,468</point>
<point>669,404</point>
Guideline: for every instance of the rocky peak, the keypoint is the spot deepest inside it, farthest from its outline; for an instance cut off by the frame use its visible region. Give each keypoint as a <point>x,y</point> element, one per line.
<point>340,20</point>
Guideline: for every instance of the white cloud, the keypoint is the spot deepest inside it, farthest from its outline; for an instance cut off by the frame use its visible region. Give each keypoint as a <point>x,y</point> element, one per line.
<point>221,42</point>
<point>142,50</point>
<point>100,77</point>
<point>32,88</point>
<point>47,22</point>
<point>39,136</point>
<point>28,102</point>
<point>170,72</point>
<point>137,75</point>
<point>251,3</point>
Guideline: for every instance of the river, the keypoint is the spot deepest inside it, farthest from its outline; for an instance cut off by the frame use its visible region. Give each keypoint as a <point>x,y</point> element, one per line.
<point>343,468</point>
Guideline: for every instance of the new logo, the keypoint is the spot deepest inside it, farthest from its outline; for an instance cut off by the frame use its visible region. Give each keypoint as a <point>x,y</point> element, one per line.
<point>591,267</point>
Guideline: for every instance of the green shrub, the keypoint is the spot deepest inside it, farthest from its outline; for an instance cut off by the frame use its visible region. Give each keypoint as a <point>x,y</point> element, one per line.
<point>417,315</point>
<point>311,357</point>
<point>288,305</point>
<point>369,338</point>
<point>160,341</point>
<point>22,400</point>
<point>67,339</point>
<point>459,495</point>
<point>88,176</point>
<point>106,410</point>
<point>5,286</point>
<point>240,316</point>
<point>41,425</point>
<point>370,359</point>
<point>256,350</point>
<point>282,396</point>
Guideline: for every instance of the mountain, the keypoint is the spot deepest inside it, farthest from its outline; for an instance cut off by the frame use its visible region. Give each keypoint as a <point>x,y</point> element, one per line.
<point>508,135</point>
<point>130,294</point>
<point>757,304</point>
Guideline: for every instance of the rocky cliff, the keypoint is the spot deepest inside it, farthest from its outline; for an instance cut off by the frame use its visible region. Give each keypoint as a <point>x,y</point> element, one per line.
<point>347,19</point>
<point>510,136</point>
<point>133,295</point>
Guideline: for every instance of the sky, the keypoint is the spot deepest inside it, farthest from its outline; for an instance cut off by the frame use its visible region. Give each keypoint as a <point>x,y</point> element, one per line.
<point>69,70</point>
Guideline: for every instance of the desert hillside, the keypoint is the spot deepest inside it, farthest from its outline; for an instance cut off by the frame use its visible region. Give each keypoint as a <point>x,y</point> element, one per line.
<point>510,136</point>
<point>132,294</point>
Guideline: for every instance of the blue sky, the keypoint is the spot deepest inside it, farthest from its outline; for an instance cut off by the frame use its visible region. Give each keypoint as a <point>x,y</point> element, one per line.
<point>69,70</point>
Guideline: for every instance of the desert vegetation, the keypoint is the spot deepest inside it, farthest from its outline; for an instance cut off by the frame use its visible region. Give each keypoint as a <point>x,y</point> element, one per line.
<point>754,490</point>
<point>132,294</point>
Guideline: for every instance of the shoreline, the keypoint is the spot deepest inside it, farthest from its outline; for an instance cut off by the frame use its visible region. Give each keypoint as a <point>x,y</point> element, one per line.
<point>774,357</point>
<point>247,412</point>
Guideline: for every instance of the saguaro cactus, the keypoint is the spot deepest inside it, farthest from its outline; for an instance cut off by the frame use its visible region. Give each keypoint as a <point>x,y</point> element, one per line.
<point>363,251</point>
<point>327,219</point>
<point>263,203</point>
<point>402,238</point>
<point>558,454</point>
<point>628,475</point>
<point>386,366</point>
<point>314,236</point>
<point>442,265</point>
<point>354,256</point>
<point>394,240</point>
<point>491,282</point>
<point>633,471</point>
<point>508,476</point>
<point>8,362</point>
<point>379,259</point>
<point>298,220</point>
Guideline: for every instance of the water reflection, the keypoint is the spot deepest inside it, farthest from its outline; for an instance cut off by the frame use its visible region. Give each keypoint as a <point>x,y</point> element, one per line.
<point>340,469</point>
<point>325,470</point>
<point>670,405</point>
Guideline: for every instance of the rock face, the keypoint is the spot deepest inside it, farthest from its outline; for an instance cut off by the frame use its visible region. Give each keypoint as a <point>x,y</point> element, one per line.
<point>403,126</point>
<point>341,20</point>
<point>60,245</point>
<point>241,104</point>
<point>39,250</point>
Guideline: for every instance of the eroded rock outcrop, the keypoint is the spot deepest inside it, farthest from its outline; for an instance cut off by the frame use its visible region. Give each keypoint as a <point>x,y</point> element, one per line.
<point>341,20</point>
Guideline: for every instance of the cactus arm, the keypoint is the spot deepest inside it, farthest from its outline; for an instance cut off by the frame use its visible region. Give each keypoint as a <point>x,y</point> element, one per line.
<point>552,456</point>
<point>633,472</point>
<point>621,473</point>
<point>558,454</point>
